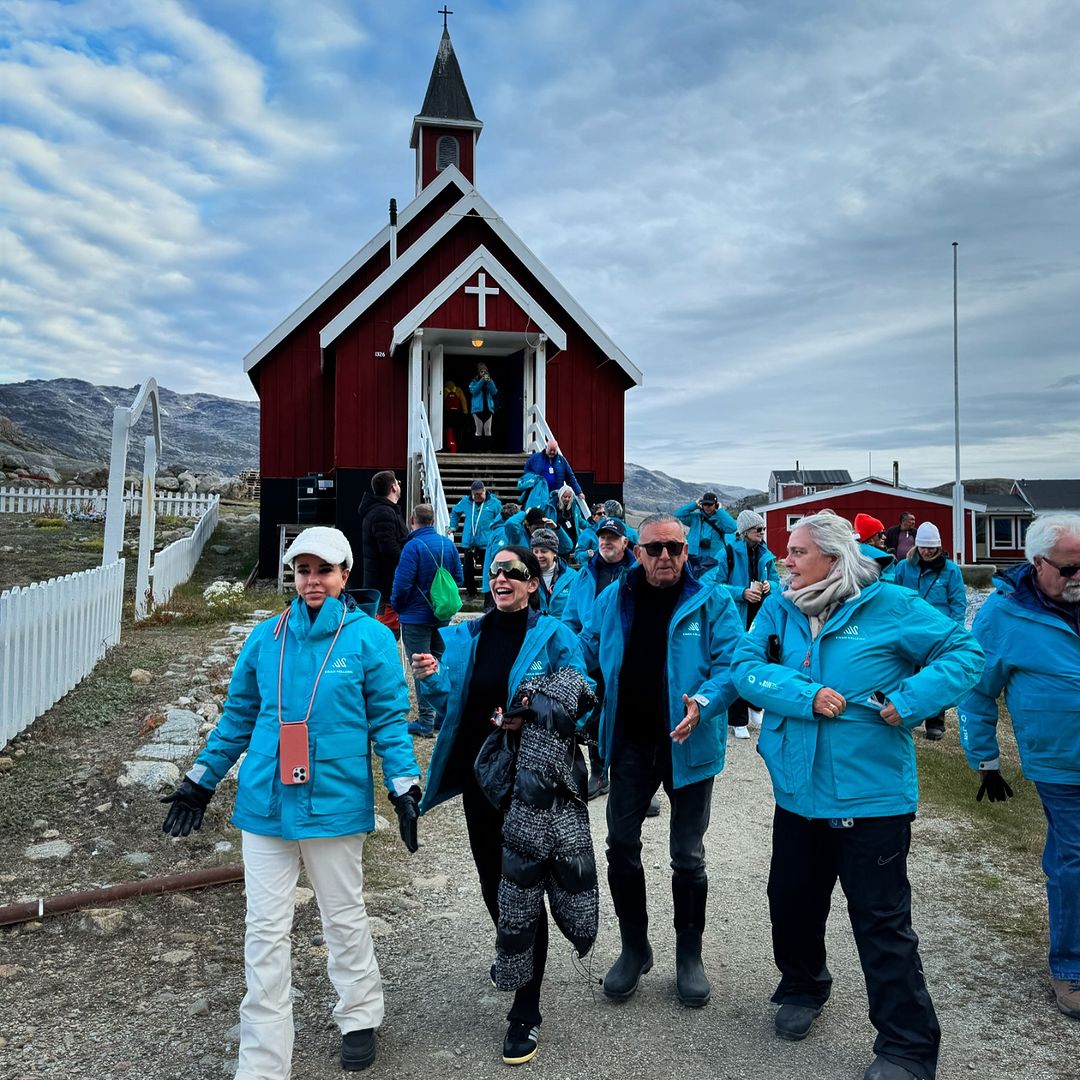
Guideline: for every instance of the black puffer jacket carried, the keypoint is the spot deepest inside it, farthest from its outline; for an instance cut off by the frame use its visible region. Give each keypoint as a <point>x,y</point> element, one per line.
<point>547,845</point>
<point>382,535</point>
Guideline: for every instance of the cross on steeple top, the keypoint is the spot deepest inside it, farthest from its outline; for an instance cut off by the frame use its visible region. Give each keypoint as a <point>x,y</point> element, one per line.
<point>444,11</point>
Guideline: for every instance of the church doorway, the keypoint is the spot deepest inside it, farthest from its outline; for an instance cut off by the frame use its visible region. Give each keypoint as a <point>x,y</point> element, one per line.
<point>507,423</point>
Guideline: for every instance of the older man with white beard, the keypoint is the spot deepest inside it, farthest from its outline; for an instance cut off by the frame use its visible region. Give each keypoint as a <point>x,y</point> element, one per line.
<point>1030,631</point>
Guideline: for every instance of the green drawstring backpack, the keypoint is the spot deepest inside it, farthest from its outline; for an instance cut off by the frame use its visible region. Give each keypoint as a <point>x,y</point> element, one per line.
<point>443,596</point>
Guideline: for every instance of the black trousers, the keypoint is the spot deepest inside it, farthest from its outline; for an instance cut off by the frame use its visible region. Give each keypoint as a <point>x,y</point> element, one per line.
<point>870,860</point>
<point>471,558</point>
<point>484,824</point>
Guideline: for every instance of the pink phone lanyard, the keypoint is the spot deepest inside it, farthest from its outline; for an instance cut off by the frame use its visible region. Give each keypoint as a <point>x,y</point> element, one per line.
<point>283,629</point>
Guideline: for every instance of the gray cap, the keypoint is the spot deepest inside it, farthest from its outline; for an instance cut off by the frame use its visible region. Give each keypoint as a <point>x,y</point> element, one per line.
<point>544,538</point>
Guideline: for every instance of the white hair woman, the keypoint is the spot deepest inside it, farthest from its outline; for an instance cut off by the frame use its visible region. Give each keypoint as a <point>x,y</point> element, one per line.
<point>841,685</point>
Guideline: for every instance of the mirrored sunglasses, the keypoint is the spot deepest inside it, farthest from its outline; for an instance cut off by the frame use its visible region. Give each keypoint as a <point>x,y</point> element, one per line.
<point>511,569</point>
<point>672,547</point>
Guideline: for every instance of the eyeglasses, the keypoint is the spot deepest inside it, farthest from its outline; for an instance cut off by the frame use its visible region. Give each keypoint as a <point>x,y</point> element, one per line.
<point>1064,571</point>
<point>511,569</point>
<point>672,547</point>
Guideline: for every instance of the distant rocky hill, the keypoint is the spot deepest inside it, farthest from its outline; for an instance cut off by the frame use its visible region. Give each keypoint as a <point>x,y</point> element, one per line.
<point>646,490</point>
<point>71,421</point>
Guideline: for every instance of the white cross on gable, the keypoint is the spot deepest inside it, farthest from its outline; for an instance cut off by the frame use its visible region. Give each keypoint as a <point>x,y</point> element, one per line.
<point>481,291</point>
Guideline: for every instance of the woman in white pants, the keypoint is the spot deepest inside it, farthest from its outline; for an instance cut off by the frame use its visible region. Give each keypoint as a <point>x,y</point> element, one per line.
<point>313,691</point>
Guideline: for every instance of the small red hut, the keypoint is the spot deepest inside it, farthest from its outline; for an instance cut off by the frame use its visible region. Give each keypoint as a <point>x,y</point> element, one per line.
<point>355,380</point>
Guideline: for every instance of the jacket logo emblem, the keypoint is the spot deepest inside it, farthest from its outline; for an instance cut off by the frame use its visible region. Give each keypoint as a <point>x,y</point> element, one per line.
<point>693,628</point>
<point>537,666</point>
<point>340,665</point>
<point>851,631</point>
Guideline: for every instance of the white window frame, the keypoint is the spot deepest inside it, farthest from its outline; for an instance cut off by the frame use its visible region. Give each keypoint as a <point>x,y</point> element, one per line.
<point>994,545</point>
<point>793,520</point>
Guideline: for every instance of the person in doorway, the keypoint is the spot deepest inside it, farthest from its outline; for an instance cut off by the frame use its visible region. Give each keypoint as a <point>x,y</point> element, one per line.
<point>841,689</point>
<point>485,661</point>
<point>424,552</point>
<point>478,513</point>
<point>556,577</point>
<point>708,523</point>
<point>483,398</point>
<point>747,570</point>
<point>612,560</point>
<point>870,533</point>
<point>383,534</point>
<point>663,642</point>
<point>312,690</point>
<point>900,539</point>
<point>937,579</point>
<point>1030,631</point>
<point>455,408</point>
<point>553,467</point>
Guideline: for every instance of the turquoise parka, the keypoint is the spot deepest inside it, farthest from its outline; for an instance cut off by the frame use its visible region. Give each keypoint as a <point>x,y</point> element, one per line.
<point>886,562</point>
<point>482,394</point>
<point>516,534</point>
<point>583,590</point>
<point>738,580</point>
<point>702,635</point>
<point>706,536</point>
<point>548,646</point>
<point>476,519</point>
<point>942,589</point>
<point>360,705</point>
<point>1033,655</point>
<point>885,640</point>
<point>555,604</point>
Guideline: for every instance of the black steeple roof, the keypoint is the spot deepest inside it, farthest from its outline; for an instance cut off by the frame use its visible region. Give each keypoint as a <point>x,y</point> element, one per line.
<point>446,99</point>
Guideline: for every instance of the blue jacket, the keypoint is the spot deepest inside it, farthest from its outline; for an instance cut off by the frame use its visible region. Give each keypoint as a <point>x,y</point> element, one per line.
<point>583,591</point>
<point>479,519</point>
<point>942,589</point>
<point>516,534</point>
<point>556,471</point>
<point>548,646</point>
<point>532,491</point>
<point>738,579</point>
<point>886,562</point>
<point>482,394</point>
<point>424,552</point>
<point>885,640</point>
<point>555,604</point>
<point>1033,656</point>
<point>361,702</point>
<point>702,636</point>
<point>703,538</point>
<point>498,540</point>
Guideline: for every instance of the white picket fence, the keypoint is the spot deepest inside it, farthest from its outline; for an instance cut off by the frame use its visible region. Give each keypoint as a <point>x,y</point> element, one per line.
<point>15,500</point>
<point>175,564</point>
<point>52,633</point>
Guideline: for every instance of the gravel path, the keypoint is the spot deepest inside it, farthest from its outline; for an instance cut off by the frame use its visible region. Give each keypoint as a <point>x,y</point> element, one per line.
<point>149,990</point>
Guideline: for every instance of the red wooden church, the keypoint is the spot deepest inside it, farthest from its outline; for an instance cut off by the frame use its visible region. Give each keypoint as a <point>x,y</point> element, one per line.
<point>354,380</point>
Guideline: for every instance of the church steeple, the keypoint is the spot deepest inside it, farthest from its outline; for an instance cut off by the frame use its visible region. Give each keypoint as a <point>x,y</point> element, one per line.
<point>446,130</point>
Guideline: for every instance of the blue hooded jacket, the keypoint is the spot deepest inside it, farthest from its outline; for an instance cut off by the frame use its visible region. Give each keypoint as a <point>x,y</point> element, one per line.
<point>478,518</point>
<point>739,579</point>
<point>706,535</point>
<point>424,552</point>
<point>482,394</point>
<point>548,646</point>
<point>556,471</point>
<point>942,589</point>
<point>555,604</point>
<point>360,703</point>
<point>516,534</point>
<point>885,640</point>
<point>702,636</point>
<point>1033,655</point>
<point>583,590</point>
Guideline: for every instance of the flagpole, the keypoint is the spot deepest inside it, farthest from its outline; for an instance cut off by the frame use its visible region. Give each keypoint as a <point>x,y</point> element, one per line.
<point>959,544</point>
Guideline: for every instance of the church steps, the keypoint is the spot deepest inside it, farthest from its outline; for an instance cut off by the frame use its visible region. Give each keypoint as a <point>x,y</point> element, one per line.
<point>500,473</point>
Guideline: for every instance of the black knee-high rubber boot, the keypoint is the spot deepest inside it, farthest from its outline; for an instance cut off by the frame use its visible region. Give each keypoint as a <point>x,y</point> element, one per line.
<point>689,896</point>
<point>636,958</point>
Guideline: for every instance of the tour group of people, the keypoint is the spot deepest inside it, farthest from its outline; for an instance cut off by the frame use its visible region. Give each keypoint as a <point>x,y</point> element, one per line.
<point>646,646</point>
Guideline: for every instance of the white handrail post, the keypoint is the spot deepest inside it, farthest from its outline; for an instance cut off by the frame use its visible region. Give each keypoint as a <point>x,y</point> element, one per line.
<point>146,529</point>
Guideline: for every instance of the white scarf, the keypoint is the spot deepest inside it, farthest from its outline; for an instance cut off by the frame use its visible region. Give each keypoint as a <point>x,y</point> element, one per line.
<point>819,600</point>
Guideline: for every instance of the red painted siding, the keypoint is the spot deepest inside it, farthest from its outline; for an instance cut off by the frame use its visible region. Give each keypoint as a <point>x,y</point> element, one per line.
<point>429,140</point>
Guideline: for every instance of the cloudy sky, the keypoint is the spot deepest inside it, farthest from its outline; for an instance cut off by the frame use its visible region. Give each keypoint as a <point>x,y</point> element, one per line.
<point>756,200</point>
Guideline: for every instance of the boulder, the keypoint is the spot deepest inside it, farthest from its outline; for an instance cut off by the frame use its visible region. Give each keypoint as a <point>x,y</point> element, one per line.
<point>188,481</point>
<point>166,483</point>
<point>155,775</point>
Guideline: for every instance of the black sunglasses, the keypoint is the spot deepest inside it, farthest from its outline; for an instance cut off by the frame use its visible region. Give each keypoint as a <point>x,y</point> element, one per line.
<point>1064,571</point>
<point>672,547</point>
<point>511,569</point>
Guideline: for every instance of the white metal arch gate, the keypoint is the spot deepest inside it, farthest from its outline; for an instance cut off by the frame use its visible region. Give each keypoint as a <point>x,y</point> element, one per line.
<point>124,419</point>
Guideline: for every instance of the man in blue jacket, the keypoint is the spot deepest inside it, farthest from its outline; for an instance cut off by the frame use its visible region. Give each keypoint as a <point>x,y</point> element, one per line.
<point>708,522</point>
<point>1030,631</point>
<point>553,467</point>
<point>663,642</point>
<point>477,513</point>
<point>424,552</point>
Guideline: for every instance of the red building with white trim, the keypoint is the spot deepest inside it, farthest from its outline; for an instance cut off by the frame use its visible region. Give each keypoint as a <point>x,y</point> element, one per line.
<point>445,284</point>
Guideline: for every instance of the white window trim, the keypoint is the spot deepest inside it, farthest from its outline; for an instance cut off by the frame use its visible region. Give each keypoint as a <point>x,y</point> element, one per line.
<point>994,545</point>
<point>793,520</point>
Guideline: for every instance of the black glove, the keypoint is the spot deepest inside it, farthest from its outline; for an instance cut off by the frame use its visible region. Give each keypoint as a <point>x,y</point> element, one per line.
<point>189,802</point>
<point>994,786</point>
<point>407,809</point>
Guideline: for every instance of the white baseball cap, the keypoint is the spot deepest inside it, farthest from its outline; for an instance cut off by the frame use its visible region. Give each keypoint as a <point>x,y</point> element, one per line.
<point>329,544</point>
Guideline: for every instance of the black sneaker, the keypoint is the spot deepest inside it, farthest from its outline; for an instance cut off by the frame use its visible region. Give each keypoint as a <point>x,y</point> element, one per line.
<point>358,1050</point>
<point>793,1021</point>
<point>520,1043</point>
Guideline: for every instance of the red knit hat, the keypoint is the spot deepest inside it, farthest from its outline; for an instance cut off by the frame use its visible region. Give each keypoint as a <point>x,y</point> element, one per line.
<point>867,526</point>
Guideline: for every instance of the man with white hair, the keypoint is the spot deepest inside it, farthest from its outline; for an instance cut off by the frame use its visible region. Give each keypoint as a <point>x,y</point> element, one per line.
<point>1030,632</point>
<point>553,467</point>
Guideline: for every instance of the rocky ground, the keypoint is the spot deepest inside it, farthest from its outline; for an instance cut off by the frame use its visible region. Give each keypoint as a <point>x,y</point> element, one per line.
<point>150,988</point>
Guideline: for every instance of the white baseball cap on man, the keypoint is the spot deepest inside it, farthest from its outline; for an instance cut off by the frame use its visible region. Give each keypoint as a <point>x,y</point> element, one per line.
<point>331,545</point>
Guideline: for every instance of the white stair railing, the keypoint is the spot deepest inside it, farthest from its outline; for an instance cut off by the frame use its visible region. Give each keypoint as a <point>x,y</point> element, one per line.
<point>538,435</point>
<point>430,480</point>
